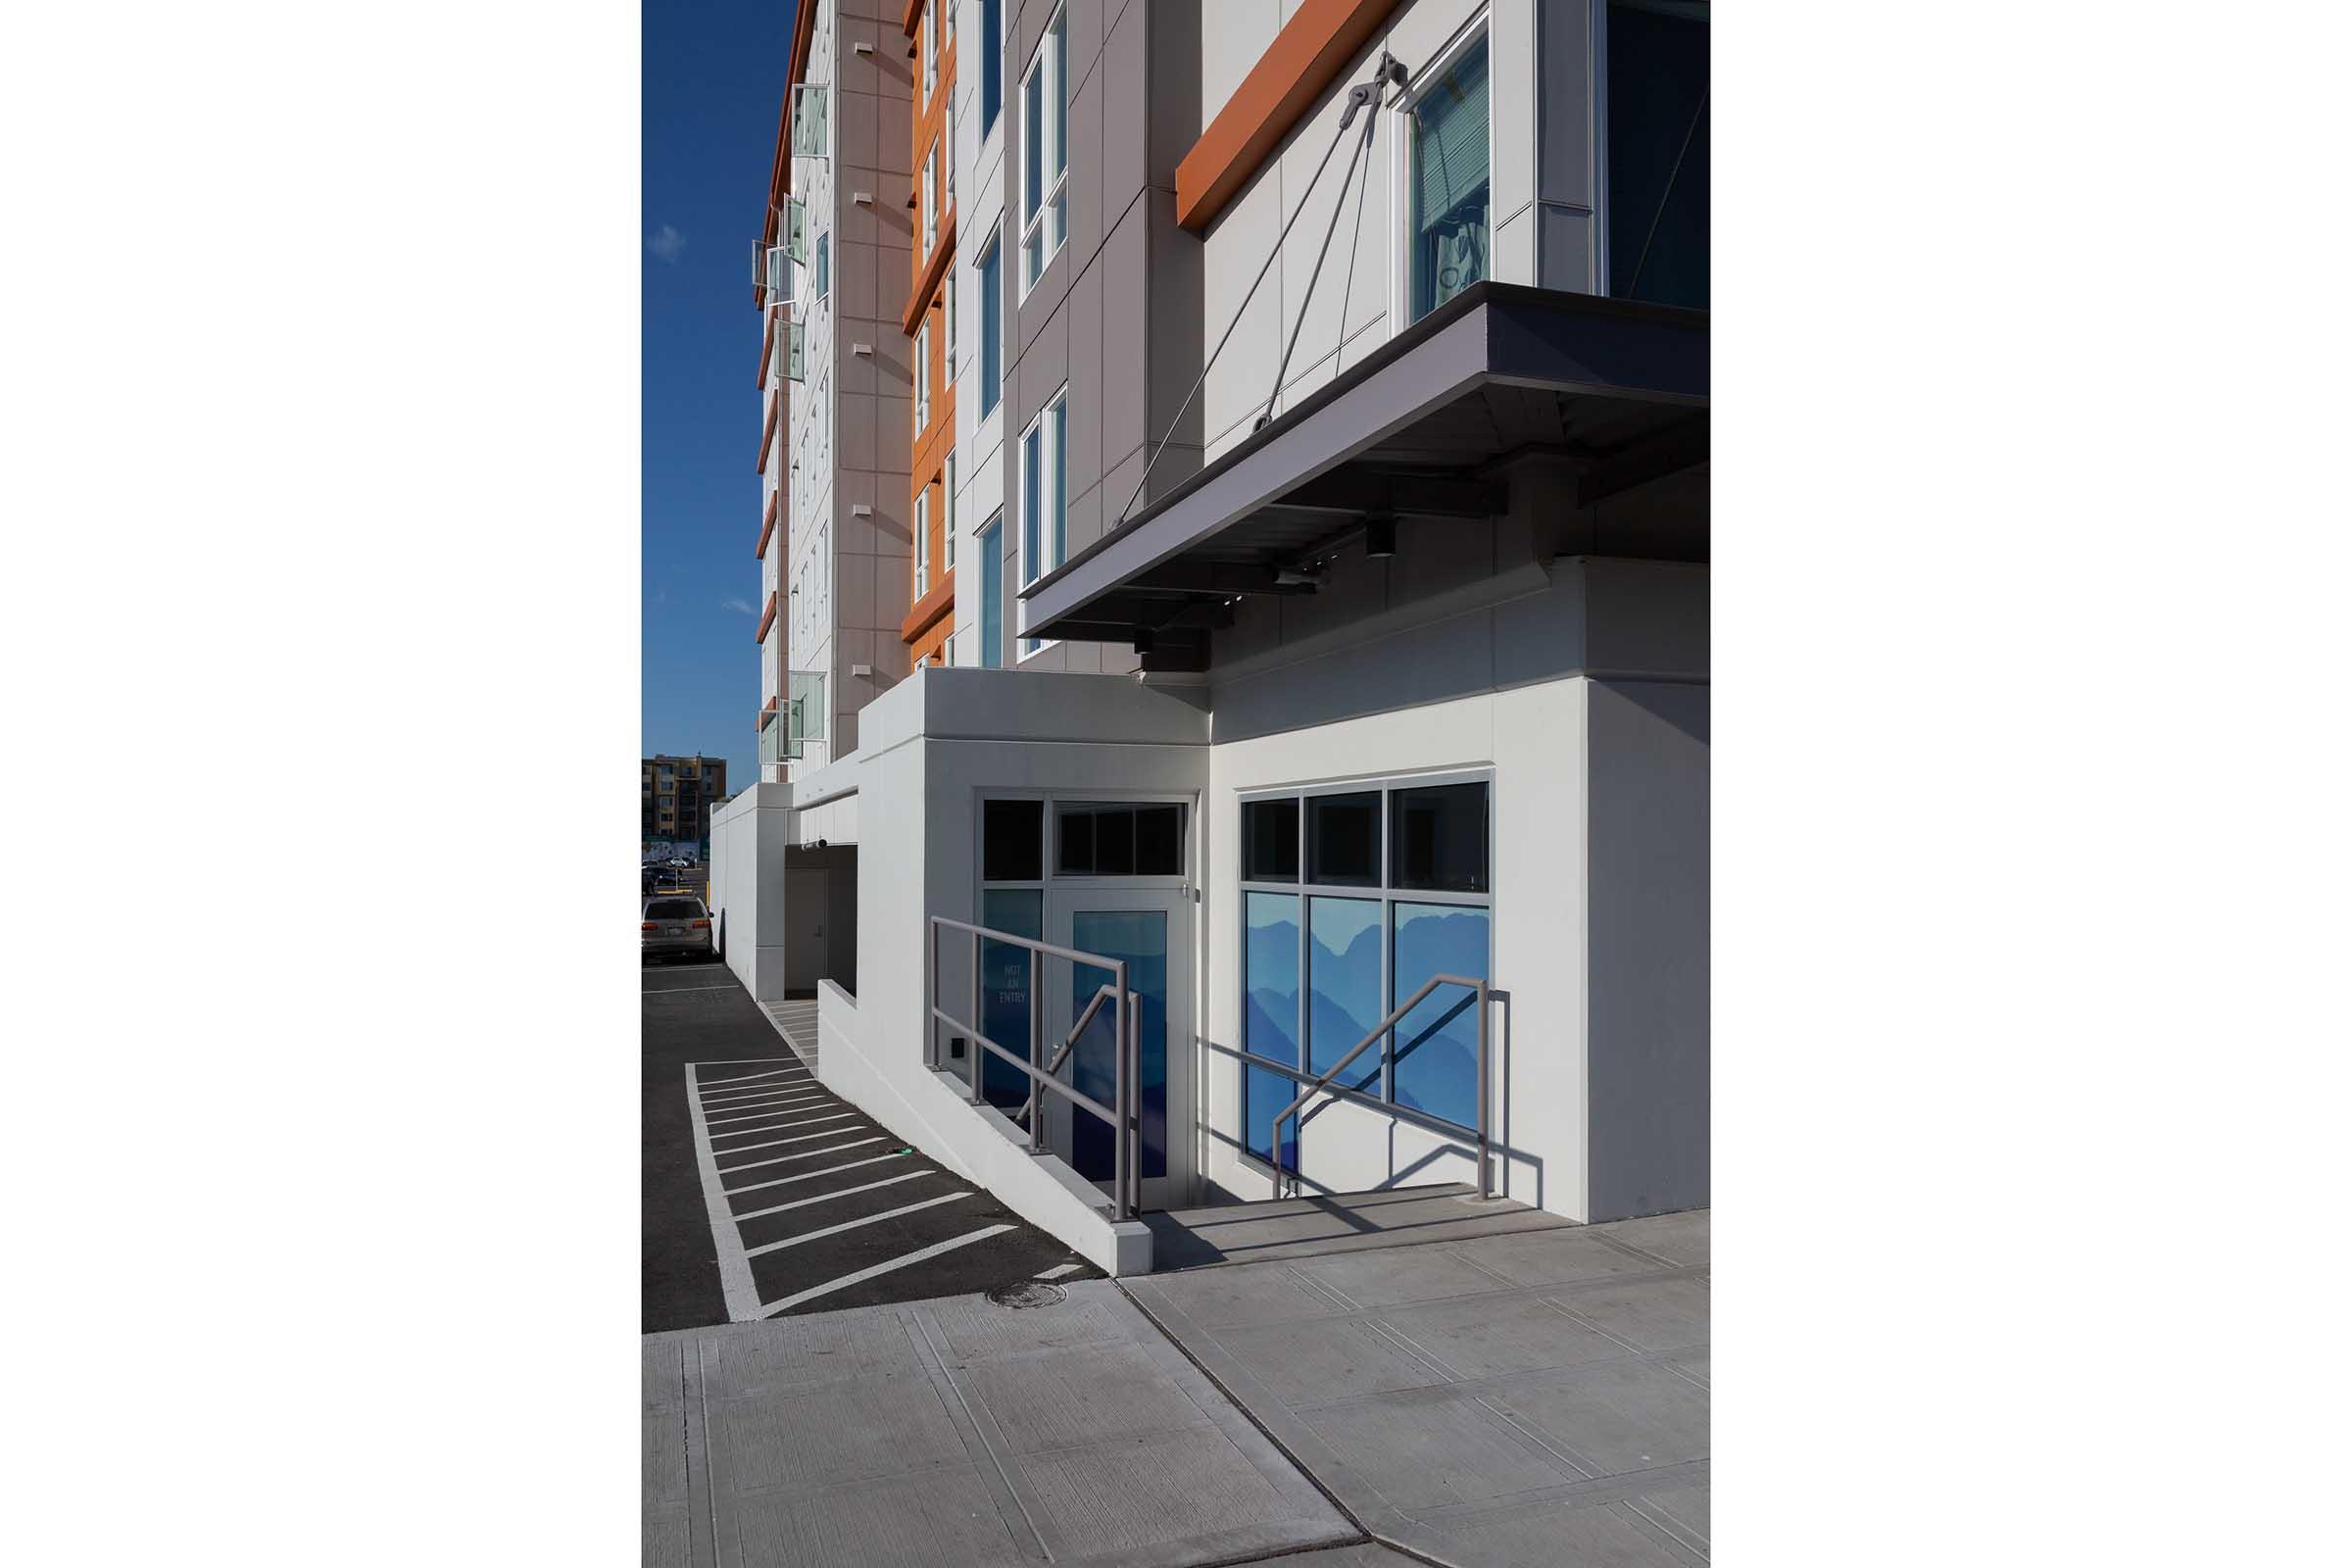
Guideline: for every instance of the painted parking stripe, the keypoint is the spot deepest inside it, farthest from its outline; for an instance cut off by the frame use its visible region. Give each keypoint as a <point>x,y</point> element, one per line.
<point>762,1092</point>
<point>735,1284</point>
<point>782,1096</point>
<point>755,1164</point>
<point>720,1083</point>
<point>851,1225</point>
<point>824,1197</point>
<point>771,1308</point>
<point>782,1084</point>
<point>778,1110</point>
<point>753,1132</point>
<point>811,1175</point>
<point>779,1143</point>
<point>1060,1269</point>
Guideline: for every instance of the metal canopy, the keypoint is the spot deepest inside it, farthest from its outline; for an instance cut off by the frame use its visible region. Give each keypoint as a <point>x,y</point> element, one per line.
<point>1422,427</point>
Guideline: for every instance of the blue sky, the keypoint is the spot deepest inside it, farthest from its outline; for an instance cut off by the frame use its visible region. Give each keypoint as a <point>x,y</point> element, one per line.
<point>714,84</point>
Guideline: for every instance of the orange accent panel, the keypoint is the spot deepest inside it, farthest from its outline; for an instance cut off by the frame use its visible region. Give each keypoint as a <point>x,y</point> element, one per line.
<point>929,609</point>
<point>767,619</point>
<point>1309,52</point>
<point>767,431</point>
<point>767,525</point>
<point>767,348</point>
<point>927,292</point>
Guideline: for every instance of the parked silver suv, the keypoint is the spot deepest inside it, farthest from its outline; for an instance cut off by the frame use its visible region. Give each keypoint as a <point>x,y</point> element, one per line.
<point>676,925</point>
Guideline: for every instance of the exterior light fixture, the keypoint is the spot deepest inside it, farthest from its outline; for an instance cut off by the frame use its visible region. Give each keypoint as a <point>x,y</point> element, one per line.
<point>1143,639</point>
<point>1380,538</point>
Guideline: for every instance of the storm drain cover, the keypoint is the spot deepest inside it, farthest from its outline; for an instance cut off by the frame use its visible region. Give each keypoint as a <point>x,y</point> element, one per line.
<point>1028,1293</point>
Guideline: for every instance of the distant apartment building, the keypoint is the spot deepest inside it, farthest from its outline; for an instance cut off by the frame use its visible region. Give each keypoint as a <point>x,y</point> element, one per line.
<point>676,796</point>
<point>1315,425</point>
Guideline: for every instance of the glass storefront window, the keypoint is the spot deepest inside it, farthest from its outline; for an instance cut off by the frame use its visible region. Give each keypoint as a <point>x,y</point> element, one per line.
<point>1270,1018</point>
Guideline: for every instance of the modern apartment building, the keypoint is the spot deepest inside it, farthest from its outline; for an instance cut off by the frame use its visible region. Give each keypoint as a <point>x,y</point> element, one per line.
<point>1327,711</point>
<point>676,794</point>
<point>929,323</point>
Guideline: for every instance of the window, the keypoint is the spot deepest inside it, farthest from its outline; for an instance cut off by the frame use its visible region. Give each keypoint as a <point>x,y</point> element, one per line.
<point>1449,180</point>
<point>1655,199</point>
<point>1098,839</point>
<point>1012,850</point>
<point>1396,890</point>
<point>946,491</point>
<point>824,265</point>
<point>948,349</point>
<point>922,541</point>
<point>931,48</point>
<point>991,325</point>
<point>992,593</point>
<point>991,63</point>
<point>928,194</point>
<point>1044,155</point>
<point>1042,502</point>
<point>922,376</point>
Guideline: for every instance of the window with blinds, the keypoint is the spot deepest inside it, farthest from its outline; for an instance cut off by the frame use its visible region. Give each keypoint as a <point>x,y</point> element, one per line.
<point>1449,182</point>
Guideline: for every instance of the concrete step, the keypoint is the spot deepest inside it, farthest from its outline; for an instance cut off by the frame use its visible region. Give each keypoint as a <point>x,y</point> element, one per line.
<point>1333,1222</point>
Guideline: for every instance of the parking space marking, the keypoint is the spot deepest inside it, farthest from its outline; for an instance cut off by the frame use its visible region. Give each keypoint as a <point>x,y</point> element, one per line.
<point>734,1268</point>
<point>826,1198</point>
<point>781,1110</point>
<point>1057,1271</point>
<point>810,1175</point>
<point>919,1255</point>
<point>851,1225</point>
<point>778,1143</point>
<point>748,1076</point>
<point>760,1096</point>
<point>755,1164</point>
<point>672,991</point>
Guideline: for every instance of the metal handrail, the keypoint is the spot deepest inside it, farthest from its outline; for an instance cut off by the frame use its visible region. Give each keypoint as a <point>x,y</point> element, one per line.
<point>1126,1121</point>
<point>1380,1031</point>
<point>1061,1054</point>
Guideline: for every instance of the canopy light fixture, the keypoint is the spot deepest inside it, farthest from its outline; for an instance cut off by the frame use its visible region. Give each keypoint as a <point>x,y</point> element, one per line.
<point>1380,537</point>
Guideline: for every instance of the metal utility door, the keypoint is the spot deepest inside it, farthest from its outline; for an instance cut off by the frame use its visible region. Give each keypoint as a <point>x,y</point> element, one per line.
<point>808,899</point>
<point>1152,929</point>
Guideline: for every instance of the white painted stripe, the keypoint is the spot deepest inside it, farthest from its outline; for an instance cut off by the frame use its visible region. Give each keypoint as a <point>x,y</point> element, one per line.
<point>773,1096</point>
<point>780,1110</point>
<point>822,1198</point>
<point>734,1267</point>
<point>672,990</point>
<point>811,1175</point>
<point>783,1081</point>
<point>779,1143</point>
<point>755,1164</point>
<point>1054,1273</point>
<point>779,1126</point>
<point>851,1225</point>
<point>771,1308</point>
<point>761,1092</point>
<point>744,1078</point>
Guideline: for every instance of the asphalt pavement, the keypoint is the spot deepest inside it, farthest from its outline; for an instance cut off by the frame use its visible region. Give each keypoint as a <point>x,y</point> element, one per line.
<point>764,1194</point>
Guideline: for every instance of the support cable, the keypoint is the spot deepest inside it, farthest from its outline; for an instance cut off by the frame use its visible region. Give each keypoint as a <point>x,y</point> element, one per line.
<point>1359,95</point>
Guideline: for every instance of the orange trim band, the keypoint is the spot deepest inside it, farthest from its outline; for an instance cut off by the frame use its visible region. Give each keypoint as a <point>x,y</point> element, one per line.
<point>768,525</point>
<point>767,348</point>
<point>927,285</point>
<point>767,619</point>
<point>767,431</point>
<point>928,609</point>
<point>1309,52</point>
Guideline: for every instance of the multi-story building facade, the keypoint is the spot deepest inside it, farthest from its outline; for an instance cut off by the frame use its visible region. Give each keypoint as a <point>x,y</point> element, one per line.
<point>1330,618</point>
<point>676,794</point>
<point>929,323</point>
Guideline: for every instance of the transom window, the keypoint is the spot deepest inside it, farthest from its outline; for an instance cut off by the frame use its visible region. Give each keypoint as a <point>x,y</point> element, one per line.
<point>1353,895</point>
<point>1045,151</point>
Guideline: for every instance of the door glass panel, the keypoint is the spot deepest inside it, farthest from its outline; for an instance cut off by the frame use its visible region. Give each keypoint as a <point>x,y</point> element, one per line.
<point>1343,958</point>
<point>1270,979</point>
<point>1004,982</point>
<point>1140,938</point>
<point>1436,1043</point>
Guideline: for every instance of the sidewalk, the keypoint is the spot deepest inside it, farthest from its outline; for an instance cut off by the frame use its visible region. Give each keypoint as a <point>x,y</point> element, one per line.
<point>960,1432</point>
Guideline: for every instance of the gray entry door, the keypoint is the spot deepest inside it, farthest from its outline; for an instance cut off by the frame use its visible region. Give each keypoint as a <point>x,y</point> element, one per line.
<point>1151,930</point>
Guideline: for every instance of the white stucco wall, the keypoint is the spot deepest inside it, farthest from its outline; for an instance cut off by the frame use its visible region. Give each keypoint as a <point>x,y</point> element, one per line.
<point>747,841</point>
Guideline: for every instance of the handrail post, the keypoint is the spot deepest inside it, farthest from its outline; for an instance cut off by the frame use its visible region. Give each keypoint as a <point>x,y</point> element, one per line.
<point>1118,1100</point>
<point>1135,1099</point>
<point>973,1017</point>
<point>1486,1178</point>
<point>1037,1001</point>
